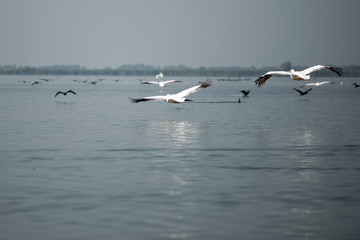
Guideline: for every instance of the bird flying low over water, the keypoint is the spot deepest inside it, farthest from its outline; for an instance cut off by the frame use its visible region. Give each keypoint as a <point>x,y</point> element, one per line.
<point>317,84</point>
<point>161,83</point>
<point>301,92</point>
<point>303,75</point>
<point>64,93</point>
<point>245,92</point>
<point>35,83</point>
<point>159,76</point>
<point>355,85</point>
<point>175,98</point>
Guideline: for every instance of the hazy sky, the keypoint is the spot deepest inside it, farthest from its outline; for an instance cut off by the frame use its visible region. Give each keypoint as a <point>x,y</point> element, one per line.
<point>101,33</point>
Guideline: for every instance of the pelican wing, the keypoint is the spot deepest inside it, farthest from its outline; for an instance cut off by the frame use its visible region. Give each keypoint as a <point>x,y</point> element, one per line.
<point>71,91</point>
<point>261,80</point>
<point>145,99</point>
<point>336,70</point>
<point>171,81</point>
<point>150,82</point>
<point>326,82</point>
<point>194,89</point>
<point>309,84</point>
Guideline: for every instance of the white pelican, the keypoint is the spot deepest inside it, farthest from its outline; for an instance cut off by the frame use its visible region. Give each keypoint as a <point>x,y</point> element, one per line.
<point>301,92</point>
<point>317,84</point>
<point>161,83</point>
<point>64,93</point>
<point>175,98</point>
<point>303,75</point>
<point>159,76</point>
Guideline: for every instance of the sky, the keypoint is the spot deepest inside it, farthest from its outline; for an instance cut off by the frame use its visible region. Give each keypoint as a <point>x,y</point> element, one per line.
<point>194,33</point>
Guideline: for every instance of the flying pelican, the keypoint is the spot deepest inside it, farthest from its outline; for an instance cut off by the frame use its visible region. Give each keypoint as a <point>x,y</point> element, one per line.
<point>303,75</point>
<point>355,85</point>
<point>245,92</point>
<point>64,93</point>
<point>161,83</point>
<point>159,76</point>
<point>301,92</point>
<point>175,98</point>
<point>317,84</point>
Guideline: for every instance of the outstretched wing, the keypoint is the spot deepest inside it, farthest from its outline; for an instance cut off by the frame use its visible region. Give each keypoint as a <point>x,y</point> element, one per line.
<point>171,81</point>
<point>299,91</point>
<point>194,89</point>
<point>261,80</point>
<point>150,82</point>
<point>58,93</point>
<point>145,99</point>
<point>71,91</point>
<point>327,82</point>
<point>245,92</point>
<point>338,71</point>
<point>307,91</point>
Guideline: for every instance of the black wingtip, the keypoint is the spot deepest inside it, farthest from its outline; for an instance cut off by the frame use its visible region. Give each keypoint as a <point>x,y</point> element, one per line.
<point>133,100</point>
<point>338,71</point>
<point>206,83</point>
<point>261,80</point>
<point>136,100</point>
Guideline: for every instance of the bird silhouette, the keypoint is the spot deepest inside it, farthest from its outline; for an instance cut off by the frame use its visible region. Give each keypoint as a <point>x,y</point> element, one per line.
<point>245,92</point>
<point>64,93</point>
<point>301,92</point>
<point>355,85</point>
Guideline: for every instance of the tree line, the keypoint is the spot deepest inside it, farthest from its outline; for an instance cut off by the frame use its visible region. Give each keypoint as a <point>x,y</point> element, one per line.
<point>178,70</point>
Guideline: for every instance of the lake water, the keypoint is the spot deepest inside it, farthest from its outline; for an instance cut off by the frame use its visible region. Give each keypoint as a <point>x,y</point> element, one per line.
<point>95,166</point>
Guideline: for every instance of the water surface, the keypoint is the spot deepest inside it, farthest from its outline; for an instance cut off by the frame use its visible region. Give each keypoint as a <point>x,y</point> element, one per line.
<point>94,165</point>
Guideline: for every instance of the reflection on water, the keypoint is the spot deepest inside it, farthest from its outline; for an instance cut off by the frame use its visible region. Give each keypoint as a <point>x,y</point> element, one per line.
<point>96,166</point>
<point>180,133</point>
<point>301,136</point>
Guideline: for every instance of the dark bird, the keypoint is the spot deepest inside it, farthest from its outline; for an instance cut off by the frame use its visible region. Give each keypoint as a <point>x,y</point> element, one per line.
<point>64,93</point>
<point>45,79</point>
<point>245,92</point>
<point>178,97</point>
<point>303,75</point>
<point>301,92</point>
<point>355,85</point>
<point>35,83</point>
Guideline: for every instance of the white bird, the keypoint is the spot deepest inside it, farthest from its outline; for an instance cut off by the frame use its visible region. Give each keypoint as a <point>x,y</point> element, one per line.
<point>317,84</point>
<point>161,83</point>
<point>303,75</point>
<point>175,98</point>
<point>159,76</point>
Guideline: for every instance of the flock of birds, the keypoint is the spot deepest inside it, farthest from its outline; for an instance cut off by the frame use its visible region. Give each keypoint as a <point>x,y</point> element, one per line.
<point>180,97</point>
<point>303,75</point>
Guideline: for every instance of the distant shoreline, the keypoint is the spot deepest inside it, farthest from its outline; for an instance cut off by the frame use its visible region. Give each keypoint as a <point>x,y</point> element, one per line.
<point>142,70</point>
